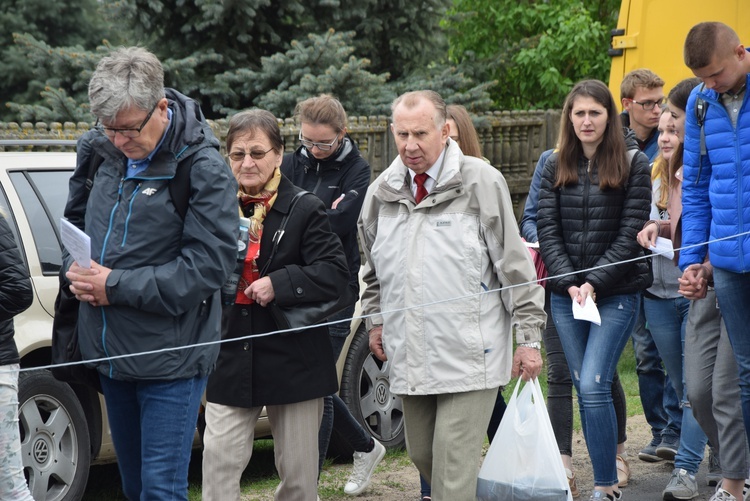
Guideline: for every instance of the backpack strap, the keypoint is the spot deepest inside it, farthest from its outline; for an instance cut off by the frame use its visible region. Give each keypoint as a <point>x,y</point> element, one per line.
<point>94,162</point>
<point>631,155</point>
<point>701,107</point>
<point>179,188</point>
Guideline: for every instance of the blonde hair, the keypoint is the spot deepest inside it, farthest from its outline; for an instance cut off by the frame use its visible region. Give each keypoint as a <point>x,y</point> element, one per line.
<point>660,170</point>
<point>468,140</point>
<point>322,110</point>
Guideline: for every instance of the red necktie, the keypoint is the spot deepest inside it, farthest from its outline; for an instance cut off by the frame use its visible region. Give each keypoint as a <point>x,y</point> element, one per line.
<point>421,190</point>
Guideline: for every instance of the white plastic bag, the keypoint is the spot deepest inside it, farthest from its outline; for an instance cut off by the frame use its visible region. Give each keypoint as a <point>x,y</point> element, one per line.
<point>523,462</point>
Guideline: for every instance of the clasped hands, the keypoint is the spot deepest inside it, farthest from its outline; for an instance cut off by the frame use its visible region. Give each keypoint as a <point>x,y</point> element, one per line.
<point>579,294</point>
<point>694,280</point>
<point>89,284</point>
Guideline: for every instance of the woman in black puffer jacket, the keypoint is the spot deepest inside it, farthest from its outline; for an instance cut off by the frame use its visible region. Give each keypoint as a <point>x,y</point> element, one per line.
<point>15,296</point>
<point>593,201</point>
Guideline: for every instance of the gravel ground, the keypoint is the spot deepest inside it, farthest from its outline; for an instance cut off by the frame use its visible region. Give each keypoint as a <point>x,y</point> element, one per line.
<point>397,479</point>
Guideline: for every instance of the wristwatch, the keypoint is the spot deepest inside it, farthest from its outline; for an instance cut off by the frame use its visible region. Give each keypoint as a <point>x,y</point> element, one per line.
<point>536,345</point>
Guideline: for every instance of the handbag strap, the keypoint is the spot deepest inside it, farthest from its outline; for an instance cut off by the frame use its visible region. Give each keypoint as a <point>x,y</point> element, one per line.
<point>282,229</point>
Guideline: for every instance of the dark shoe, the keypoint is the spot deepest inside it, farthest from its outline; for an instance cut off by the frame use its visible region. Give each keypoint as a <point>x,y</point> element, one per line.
<point>648,453</point>
<point>713,475</point>
<point>667,449</point>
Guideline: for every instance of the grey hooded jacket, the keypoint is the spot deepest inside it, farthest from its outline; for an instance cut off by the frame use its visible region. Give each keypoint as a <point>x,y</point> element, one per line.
<point>166,273</point>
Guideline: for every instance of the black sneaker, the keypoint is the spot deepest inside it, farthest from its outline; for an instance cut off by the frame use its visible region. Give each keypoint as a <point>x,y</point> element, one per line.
<point>667,449</point>
<point>648,453</point>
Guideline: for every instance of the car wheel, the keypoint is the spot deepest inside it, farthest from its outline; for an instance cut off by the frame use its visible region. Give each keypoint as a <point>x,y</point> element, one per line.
<point>54,438</point>
<point>367,392</point>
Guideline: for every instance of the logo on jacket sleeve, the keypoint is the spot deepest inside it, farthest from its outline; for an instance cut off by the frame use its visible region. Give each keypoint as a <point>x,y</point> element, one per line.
<point>149,191</point>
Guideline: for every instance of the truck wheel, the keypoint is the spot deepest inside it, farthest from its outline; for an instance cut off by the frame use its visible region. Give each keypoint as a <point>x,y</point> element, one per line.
<point>54,438</point>
<point>366,391</point>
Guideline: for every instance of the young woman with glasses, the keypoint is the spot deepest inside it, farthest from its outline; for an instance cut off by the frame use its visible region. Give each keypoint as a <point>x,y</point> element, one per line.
<point>328,164</point>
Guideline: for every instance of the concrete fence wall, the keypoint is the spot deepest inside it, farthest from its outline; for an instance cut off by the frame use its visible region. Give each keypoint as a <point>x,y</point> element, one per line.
<point>511,140</point>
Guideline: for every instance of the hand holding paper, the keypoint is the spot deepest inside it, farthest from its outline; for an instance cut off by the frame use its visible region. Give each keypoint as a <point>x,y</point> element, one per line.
<point>664,247</point>
<point>588,311</point>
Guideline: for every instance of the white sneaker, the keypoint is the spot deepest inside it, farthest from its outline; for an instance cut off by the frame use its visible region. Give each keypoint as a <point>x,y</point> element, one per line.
<point>722,495</point>
<point>745,491</point>
<point>364,465</point>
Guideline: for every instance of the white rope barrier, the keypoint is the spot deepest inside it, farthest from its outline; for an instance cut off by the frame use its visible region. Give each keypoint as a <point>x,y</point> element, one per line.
<point>362,317</point>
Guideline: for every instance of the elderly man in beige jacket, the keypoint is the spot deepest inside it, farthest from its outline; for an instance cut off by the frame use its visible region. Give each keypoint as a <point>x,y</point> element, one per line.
<point>440,239</point>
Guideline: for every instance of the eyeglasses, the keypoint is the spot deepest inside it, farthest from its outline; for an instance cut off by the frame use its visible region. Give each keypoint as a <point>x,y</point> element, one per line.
<point>129,133</point>
<point>649,105</point>
<point>321,146</point>
<point>239,156</point>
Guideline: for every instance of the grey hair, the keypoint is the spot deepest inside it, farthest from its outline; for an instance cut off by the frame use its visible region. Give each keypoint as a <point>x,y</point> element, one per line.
<point>414,98</point>
<point>128,77</point>
<point>252,122</point>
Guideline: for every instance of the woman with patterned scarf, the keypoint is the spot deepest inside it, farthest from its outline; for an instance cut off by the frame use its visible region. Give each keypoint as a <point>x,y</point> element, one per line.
<point>288,373</point>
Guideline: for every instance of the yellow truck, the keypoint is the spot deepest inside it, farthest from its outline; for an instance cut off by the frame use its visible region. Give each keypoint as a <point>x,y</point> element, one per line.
<point>650,34</point>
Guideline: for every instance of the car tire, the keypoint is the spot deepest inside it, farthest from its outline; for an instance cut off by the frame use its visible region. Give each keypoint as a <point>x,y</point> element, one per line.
<point>54,438</point>
<point>366,391</point>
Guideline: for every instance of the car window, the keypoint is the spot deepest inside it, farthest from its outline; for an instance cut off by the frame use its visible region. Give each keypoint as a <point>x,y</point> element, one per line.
<point>43,195</point>
<point>5,207</point>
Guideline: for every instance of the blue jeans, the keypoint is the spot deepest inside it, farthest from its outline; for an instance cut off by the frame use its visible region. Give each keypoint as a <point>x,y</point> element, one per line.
<point>560,390</point>
<point>667,321</point>
<point>592,352</point>
<point>660,403</point>
<point>153,427</point>
<point>733,295</point>
<point>334,409</point>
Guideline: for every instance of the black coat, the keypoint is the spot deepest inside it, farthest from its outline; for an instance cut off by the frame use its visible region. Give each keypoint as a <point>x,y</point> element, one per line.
<point>345,172</point>
<point>581,226</point>
<point>15,292</point>
<point>281,369</point>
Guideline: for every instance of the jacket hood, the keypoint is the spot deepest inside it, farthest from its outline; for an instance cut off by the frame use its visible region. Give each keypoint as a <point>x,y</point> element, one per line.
<point>189,128</point>
<point>336,161</point>
<point>631,143</point>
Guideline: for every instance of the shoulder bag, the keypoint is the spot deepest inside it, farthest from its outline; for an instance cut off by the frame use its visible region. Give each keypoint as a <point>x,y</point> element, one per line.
<point>302,315</point>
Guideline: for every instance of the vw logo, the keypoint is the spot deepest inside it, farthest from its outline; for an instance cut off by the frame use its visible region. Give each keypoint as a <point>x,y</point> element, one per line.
<point>381,394</point>
<point>41,451</point>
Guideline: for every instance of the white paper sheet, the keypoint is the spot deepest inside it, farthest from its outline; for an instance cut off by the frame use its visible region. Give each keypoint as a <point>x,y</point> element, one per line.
<point>76,242</point>
<point>664,247</point>
<point>588,311</point>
